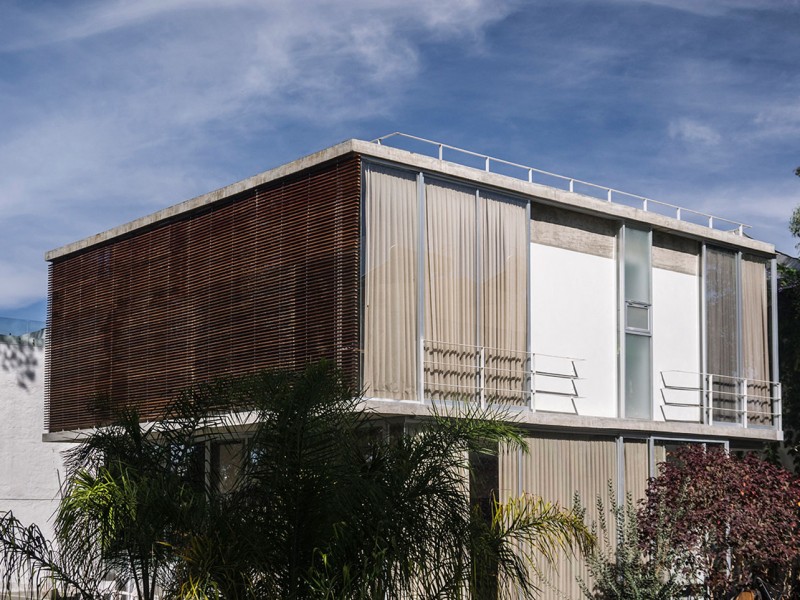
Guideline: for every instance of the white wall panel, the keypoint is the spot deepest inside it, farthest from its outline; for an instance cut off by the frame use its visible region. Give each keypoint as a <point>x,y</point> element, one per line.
<point>574,313</point>
<point>676,342</point>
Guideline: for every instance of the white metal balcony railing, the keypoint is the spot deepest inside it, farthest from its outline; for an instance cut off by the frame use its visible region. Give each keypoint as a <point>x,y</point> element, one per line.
<point>547,383</point>
<point>719,399</point>
<point>492,376</point>
<point>491,164</point>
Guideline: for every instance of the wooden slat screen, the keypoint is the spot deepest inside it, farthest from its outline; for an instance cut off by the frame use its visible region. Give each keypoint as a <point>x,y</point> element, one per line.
<point>266,279</point>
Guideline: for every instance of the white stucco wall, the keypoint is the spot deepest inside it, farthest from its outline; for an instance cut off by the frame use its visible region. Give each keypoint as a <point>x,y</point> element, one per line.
<point>676,343</point>
<point>29,467</point>
<point>574,313</point>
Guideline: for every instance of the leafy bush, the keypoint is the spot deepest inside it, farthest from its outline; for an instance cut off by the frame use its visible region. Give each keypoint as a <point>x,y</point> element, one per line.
<point>738,520</point>
<point>625,566</point>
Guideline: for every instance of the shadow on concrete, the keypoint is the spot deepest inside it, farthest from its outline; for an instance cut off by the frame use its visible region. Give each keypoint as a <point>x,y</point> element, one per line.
<point>19,356</point>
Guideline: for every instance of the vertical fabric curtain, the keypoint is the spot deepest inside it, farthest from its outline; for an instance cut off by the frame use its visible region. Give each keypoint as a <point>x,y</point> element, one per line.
<point>504,287</point>
<point>390,283</point>
<point>755,342</point>
<point>722,331</point>
<point>451,357</point>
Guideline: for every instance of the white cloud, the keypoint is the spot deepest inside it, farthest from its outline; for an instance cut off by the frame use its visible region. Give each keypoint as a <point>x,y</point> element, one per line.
<point>114,108</point>
<point>718,7</point>
<point>693,132</point>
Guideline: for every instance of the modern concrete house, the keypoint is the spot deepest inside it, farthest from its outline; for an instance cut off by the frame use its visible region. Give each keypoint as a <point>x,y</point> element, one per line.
<point>609,325</point>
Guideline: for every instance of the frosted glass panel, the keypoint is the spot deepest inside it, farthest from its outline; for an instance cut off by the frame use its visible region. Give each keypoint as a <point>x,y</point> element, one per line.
<point>637,377</point>
<point>637,265</point>
<point>638,317</point>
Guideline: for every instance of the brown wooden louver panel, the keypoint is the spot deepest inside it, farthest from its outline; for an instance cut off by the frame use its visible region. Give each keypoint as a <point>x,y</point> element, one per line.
<point>265,279</point>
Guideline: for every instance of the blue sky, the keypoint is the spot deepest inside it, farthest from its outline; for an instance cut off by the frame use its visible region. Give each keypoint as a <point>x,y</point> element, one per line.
<point>110,110</point>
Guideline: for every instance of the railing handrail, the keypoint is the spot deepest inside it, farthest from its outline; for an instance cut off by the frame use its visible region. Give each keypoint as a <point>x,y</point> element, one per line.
<point>718,376</point>
<point>505,350</point>
<point>609,191</point>
<point>740,395</point>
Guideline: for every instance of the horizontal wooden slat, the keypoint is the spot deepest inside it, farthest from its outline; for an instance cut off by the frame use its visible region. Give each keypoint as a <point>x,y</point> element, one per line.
<point>266,279</point>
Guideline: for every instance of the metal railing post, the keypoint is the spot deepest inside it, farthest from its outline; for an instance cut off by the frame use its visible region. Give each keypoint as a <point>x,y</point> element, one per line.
<point>743,400</point>
<point>532,375</point>
<point>778,408</point>
<point>710,400</point>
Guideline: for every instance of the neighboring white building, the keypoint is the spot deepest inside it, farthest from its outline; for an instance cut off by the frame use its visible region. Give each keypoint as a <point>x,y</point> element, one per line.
<point>610,326</point>
<point>29,467</point>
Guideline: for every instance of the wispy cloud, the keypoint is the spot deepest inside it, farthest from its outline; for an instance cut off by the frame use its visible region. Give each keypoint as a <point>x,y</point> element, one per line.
<point>693,132</point>
<point>115,108</point>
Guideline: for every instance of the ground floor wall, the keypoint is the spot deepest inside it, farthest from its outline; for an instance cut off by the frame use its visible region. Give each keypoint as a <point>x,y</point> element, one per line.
<point>565,467</point>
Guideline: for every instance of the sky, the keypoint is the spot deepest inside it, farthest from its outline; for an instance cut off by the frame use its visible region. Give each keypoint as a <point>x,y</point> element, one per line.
<point>111,110</point>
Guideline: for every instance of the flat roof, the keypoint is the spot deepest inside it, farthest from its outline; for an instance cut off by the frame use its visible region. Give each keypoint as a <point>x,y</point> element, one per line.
<point>533,191</point>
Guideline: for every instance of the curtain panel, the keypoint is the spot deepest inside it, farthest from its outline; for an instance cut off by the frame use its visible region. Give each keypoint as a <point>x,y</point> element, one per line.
<point>391,233</point>
<point>722,331</point>
<point>755,340</point>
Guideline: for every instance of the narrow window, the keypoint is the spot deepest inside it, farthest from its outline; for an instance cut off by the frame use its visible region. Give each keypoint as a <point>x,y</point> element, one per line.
<point>638,319</point>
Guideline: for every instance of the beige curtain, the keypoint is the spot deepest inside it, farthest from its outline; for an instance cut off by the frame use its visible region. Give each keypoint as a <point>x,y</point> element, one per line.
<point>390,283</point>
<point>755,342</point>
<point>504,287</point>
<point>557,469</point>
<point>637,468</point>
<point>722,331</point>
<point>451,357</point>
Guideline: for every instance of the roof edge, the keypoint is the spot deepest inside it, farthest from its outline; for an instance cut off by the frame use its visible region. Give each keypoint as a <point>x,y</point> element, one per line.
<point>284,170</point>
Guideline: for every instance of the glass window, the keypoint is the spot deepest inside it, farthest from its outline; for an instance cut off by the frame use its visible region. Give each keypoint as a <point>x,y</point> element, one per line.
<point>638,377</point>
<point>638,349</point>
<point>637,317</point>
<point>637,265</point>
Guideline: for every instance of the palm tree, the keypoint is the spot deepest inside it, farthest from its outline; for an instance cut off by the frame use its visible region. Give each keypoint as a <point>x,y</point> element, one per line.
<point>326,504</point>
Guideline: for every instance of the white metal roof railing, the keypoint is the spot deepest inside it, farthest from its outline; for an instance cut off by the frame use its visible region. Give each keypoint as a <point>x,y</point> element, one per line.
<point>587,188</point>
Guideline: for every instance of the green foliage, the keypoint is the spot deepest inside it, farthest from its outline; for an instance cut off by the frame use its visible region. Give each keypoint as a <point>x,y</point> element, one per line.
<point>736,520</point>
<point>626,566</point>
<point>326,505</point>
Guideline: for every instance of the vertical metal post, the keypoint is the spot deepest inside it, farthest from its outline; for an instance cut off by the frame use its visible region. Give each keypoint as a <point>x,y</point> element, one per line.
<point>703,327</point>
<point>487,164</point>
<point>532,375</point>
<point>530,175</point>
<point>609,194</point>
<point>571,185</point>
<point>529,307</point>
<point>441,151</point>
<point>621,322</point>
<point>743,396</point>
<point>710,397</point>
<point>678,213</point>
<point>477,291</point>
<point>421,287</point>
<point>774,371</point>
<point>651,455</point>
<point>778,407</point>
<point>739,318</point>
<point>644,204</point>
